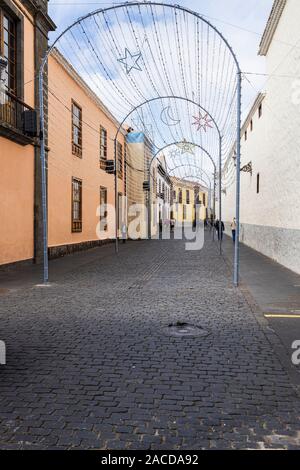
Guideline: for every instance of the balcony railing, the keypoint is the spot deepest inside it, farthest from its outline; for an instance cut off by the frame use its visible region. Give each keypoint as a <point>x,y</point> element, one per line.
<point>18,121</point>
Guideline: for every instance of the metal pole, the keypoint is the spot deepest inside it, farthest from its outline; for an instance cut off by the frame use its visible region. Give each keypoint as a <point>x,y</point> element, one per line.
<point>238,184</point>
<point>220,196</point>
<point>214,206</point>
<point>116,198</point>
<point>149,205</point>
<point>43,180</point>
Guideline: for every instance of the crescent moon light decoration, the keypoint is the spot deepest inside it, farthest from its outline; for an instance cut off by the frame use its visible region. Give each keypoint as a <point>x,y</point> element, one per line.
<point>167,119</point>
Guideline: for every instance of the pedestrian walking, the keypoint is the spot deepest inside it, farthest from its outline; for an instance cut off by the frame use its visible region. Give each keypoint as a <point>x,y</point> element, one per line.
<point>233,230</point>
<point>220,227</point>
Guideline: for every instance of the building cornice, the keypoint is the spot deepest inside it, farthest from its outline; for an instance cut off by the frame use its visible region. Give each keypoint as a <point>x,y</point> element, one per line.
<point>40,13</point>
<point>187,184</point>
<point>259,99</point>
<point>271,26</point>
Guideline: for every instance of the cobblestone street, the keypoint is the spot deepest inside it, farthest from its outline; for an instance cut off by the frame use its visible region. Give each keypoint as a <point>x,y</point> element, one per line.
<point>90,364</point>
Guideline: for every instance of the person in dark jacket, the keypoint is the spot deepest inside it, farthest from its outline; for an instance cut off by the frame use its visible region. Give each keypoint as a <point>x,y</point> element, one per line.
<point>220,229</point>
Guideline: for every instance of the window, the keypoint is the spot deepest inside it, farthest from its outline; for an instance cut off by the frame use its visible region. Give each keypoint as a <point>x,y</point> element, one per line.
<point>76,130</point>
<point>180,196</point>
<point>187,196</point>
<point>246,135</point>
<point>260,110</point>
<point>204,199</point>
<point>251,125</point>
<point>184,212</point>
<point>103,210</point>
<point>76,205</point>
<point>120,159</point>
<point>103,148</point>
<point>258,183</point>
<point>8,45</point>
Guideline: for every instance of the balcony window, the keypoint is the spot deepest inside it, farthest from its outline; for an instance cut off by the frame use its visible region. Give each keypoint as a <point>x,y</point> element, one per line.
<point>8,46</point>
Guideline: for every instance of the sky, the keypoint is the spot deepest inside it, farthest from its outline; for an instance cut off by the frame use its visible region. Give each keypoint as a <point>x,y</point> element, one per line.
<point>241,23</point>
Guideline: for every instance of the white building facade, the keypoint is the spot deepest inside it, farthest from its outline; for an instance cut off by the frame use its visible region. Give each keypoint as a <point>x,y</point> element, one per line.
<point>270,176</point>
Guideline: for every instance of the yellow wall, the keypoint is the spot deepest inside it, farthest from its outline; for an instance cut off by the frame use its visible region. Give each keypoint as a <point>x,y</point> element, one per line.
<point>17,176</point>
<point>63,165</point>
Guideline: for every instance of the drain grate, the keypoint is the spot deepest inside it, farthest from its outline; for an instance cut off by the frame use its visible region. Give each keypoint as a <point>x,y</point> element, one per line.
<point>185,330</point>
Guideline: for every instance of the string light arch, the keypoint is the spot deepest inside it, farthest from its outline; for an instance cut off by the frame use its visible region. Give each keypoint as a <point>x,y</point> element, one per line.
<point>139,53</point>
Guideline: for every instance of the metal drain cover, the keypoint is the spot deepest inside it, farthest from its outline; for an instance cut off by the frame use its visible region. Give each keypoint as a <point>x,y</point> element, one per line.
<point>181,330</point>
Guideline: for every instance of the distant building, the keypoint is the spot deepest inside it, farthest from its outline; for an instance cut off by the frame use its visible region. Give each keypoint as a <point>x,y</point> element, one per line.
<point>138,158</point>
<point>24,28</point>
<point>189,201</point>
<point>161,194</point>
<point>270,168</point>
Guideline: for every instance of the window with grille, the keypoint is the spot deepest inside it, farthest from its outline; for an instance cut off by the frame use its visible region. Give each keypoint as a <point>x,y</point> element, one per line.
<point>184,212</point>
<point>103,210</point>
<point>120,159</point>
<point>103,148</point>
<point>76,205</point>
<point>8,44</point>
<point>76,129</point>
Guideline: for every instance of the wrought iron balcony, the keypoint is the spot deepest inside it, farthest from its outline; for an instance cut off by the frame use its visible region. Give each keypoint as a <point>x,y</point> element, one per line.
<point>18,121</point>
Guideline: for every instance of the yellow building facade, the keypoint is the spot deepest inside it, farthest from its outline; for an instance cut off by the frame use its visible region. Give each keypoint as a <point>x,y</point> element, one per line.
<point>189,202</point>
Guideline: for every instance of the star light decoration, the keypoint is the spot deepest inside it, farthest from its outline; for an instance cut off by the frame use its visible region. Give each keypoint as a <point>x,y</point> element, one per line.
<point>131,61</point>
<point>174,153</point>
<point>202,122</point>
<point>186,147</point>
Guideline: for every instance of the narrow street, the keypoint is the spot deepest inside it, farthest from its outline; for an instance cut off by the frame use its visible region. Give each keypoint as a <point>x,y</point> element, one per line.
<point>92,364</point>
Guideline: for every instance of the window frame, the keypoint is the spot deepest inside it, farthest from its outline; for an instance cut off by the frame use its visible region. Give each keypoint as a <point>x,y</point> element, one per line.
<point>180,196</point>
<point>188,197</point>
<point>103,147</point>
<point>104,190</point>
<point>11,54</point>
<point>77,222</point>
<point>120,160</point>
<point>10,9</point>
<point>77,148</point>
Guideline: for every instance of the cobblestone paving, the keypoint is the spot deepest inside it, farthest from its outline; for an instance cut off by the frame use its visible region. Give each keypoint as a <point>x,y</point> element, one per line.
<point>89,365</point>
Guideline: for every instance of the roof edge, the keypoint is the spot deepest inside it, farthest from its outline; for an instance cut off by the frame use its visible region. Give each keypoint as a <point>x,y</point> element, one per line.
<point>273,21</point>
<point>63,62</point>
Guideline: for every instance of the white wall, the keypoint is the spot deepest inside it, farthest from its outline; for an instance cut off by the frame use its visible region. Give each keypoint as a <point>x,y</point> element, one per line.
<point>271,220</point>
